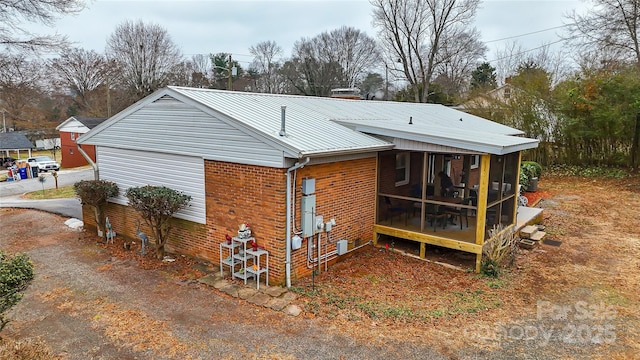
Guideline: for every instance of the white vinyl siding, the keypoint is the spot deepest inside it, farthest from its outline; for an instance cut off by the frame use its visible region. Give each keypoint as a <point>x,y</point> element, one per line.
<point>175,127</point>
<point>129,168</point>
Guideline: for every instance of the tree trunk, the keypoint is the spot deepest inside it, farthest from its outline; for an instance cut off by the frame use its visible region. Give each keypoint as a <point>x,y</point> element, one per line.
<point>635,146</point>
<point>99,221</point>
<point>159,251</point>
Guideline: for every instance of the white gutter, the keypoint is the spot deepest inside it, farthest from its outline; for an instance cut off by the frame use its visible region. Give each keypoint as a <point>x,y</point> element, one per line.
<point>96,175</point>
<point>297,165</point>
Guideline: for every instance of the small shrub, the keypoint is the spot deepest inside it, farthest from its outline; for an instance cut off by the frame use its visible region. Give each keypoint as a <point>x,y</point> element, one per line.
<point>156,205</point>
<point>16,272</point>
<point>95,193</point>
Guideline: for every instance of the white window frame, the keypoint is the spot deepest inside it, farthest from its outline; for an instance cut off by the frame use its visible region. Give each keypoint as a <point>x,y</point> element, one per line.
<point>407,167</point>
<point>73,136</point>
<point>475,159</point>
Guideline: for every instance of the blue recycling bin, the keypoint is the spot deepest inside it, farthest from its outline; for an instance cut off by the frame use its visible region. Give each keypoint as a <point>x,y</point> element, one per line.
<point>23,173</point>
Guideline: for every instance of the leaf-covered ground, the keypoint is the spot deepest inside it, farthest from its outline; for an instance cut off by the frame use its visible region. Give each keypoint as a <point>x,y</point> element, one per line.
<point>574,301</point>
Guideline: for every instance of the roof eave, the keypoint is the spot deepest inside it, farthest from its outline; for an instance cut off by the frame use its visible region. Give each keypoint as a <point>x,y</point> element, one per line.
<point>434,139</point>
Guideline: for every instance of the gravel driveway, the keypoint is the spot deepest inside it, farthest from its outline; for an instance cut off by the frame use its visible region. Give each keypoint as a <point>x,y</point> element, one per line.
<point>87,305</point>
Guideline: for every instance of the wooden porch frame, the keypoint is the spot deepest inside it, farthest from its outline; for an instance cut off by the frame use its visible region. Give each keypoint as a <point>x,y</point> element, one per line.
<point>423,239</point>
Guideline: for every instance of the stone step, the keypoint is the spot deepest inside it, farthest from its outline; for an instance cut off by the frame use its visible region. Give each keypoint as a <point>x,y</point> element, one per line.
<point>527,244</point>
<point>538,236</point>
<point>527,231</point>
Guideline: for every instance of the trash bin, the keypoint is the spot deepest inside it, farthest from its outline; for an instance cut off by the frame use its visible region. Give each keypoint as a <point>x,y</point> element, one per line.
<point>23,173</point>
<point>34,172</point>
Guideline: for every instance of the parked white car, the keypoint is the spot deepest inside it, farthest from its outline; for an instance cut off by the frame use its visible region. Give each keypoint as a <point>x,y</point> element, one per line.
<point>43,163</point>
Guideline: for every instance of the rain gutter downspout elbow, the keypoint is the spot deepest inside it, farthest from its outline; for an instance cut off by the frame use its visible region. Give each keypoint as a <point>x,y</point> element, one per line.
<point>96,175</point>
<point>298,165</point>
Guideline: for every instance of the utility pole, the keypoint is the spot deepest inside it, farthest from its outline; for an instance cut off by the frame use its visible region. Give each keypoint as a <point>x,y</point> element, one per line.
<point>4,123</point>
<point>386,82</point>
<point>230,84</point>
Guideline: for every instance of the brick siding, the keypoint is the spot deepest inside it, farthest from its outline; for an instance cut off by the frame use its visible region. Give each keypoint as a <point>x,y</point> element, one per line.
<point>237,193</point>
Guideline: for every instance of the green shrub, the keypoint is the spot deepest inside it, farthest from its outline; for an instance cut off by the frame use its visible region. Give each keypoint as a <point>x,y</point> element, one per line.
<point>16,272</point>
<point>534,167</point>
<point>95,193</point>
<point>528,171</point>
<point>156,205</point>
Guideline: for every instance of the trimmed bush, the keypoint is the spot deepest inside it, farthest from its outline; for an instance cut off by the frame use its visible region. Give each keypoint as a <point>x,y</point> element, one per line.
<point>95,193</point>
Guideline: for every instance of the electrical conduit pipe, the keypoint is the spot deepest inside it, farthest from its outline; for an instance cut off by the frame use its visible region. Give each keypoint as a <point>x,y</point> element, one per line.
<point>287,265</point>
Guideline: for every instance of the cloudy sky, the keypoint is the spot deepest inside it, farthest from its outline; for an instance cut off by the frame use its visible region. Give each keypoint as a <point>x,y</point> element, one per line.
<point>211,26</point>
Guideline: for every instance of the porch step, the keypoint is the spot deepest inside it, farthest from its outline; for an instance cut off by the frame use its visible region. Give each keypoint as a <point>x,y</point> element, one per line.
<point>527,231</point>
<point>538,236</point>
<point>527,244</point>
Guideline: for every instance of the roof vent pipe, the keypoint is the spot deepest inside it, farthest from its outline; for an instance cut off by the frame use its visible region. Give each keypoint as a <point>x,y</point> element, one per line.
<point>410,120</point>
<point>282,120</point>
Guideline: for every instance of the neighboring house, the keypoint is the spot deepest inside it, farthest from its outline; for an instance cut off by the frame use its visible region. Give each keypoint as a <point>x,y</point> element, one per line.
<point>279,162</point>
<point>70,130</point>
<point>48,144</point>
<point>14,141</point>
<point>492,101</point>
<point>508,104</point>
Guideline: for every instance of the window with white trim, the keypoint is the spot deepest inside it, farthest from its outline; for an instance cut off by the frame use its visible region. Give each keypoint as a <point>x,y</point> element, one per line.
<point>475,161</point>
<point>402,168</point>
<point>73,136</point>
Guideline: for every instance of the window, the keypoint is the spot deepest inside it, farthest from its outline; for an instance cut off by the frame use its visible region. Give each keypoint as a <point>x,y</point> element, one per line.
<point>73,136</point>
<point>402,169</point>
<point>475,161</point>
<point>507,93</point>
<point>71,151</point>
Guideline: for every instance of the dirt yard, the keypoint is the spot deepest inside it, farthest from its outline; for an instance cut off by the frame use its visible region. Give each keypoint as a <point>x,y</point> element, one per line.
<point>574,301</point>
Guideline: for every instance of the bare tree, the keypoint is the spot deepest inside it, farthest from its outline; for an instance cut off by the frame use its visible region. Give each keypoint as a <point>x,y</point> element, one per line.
<point>267,65</point>
<point>145,53</point>
<point>413,32</point>
<point>611,27</point>
<point>461,55</point>
<point>356,52</point>
<point>15,14</point>
<point>21,81</point>
<point>309,73</point>
<point>81,71</point>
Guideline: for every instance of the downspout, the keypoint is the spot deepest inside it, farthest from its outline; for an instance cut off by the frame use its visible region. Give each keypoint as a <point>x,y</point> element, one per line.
<point>298,165</point>
<point>96,175</point>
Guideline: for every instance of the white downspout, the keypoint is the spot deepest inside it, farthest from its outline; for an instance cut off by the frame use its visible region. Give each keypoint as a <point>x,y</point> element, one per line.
<point>288,237</point>
<point>96,175</point>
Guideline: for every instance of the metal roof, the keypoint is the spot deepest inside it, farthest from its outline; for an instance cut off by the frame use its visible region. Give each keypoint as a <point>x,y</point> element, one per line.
<point>317,126</point>
<point>14,141</point>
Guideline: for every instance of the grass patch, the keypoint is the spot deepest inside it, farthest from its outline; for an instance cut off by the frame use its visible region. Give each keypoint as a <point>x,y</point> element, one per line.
<point>60,193</point>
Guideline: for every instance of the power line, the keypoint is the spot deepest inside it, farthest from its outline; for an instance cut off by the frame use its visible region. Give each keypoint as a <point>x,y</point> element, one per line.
<point>529,50</point>
<point>530,33</point>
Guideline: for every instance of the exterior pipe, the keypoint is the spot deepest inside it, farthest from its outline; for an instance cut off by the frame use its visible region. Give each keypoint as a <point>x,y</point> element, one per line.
<point>96,174</point>
<point>288,236</point>
<point>283,110</point>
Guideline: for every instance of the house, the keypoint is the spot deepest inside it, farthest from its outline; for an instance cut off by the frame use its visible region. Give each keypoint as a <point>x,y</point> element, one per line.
<point>294,167</point>
<point>70,130</point>
<point>14,141</point>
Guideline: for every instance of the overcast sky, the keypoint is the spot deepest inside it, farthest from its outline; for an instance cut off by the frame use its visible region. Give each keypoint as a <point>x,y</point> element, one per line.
<point>212,26</point>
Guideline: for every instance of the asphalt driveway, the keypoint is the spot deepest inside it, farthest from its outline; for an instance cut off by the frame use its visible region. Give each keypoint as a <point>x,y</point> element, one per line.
<point>10,192</point>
